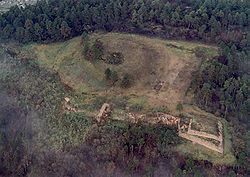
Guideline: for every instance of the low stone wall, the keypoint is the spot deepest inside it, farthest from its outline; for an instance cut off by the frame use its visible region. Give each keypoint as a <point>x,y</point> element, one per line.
<point>204,134</point>
<point>104,112</point>
<point>190,135</point>
<point>202,142</point>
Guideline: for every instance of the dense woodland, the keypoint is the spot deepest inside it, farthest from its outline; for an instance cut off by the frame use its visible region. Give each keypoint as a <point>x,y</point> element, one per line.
<point>222,84</point>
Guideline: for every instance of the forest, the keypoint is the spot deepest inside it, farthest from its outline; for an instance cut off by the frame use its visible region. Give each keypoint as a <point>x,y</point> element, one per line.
<point>221,85</point>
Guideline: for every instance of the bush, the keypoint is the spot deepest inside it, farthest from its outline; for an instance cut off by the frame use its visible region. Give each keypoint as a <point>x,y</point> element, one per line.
<point>189,164</point>
<point>126,81</point>
<point>97,50</point>
<point>179,107</point>
<point>86,51</point>
<point>107,74</point>
<point>231,174</point>
<point>178,173</point>
<point>197,173</point>
<point>85,37</point>
<point>114,77</point>
<point>84,41</point>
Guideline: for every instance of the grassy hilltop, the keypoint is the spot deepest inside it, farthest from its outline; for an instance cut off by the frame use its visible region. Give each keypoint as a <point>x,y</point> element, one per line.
<point>147,60</point>
<point>58,70</point>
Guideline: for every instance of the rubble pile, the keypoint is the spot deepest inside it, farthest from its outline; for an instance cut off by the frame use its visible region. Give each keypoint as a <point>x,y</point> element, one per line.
<point>167,119</point>
<point>104,113</point>
<point>136,117</point>
<point>67,106</point>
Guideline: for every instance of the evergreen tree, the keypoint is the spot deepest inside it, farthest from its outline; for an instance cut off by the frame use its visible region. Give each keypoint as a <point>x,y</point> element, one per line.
<point>38,31</point>
<point>114,77</point>
<point>65,30</point>
<point>107,74</point>
<point>126,81</point>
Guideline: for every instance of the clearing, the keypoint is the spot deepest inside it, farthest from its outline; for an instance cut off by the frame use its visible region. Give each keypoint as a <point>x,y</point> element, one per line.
<point>150,62</point>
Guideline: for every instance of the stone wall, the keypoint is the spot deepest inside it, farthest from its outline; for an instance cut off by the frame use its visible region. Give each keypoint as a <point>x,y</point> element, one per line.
<point>104,112</point>
<point>202,142</point>
<point>206,135</point>
<point>191,135</point>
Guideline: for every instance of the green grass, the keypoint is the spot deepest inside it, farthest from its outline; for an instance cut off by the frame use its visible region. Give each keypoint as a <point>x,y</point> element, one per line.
<point>137,104</point>
<point>41,91</point>
<point>186,49</point>
<point>142,56</point>
<point>203,153</point>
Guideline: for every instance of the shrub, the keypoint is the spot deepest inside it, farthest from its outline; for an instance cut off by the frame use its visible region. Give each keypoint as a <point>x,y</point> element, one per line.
<point>197,173</point>
<point>85,50</point>
<point>107,74</point>
<point>126,81</point>
<point>85,42</point>
<point>178,173</point>
<point>231,174</point>
<point>114,77</point>
<point>179,107</point>
<point>189,164</point>
<point>85,37</point>
<point>97,50</point>
<point>167,135</point>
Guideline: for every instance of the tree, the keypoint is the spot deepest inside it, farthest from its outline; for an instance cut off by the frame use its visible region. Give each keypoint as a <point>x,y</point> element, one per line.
<point>85,36</point>
<point>28,24</point>
<point>107,74</point>
<point>38,31</point>
<point>126,81</point>
<point>189,164</point>
<point>206,92</point>
<point>8,31</point>
<point>197,173</point>
<point>178,173</point>
<point>114,77</point>
<point>65,30</point>
<point>188,20</point>
<point>175,18</point>
<point>17,22</point>
<point>165,14</point>
<point>202,31</point>
<point>51,29</point>
<point>19,34</point>
<point>85,42</point>
<point>97,50</point>
<point>242,159</point>
<point>231,173</point>
<point>27,36</point>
